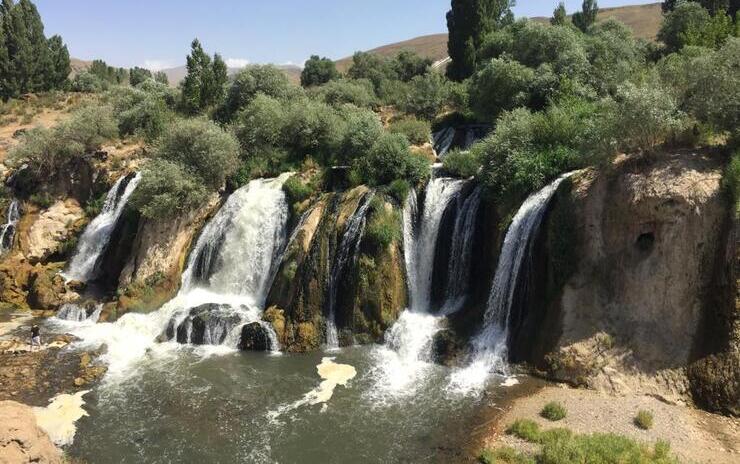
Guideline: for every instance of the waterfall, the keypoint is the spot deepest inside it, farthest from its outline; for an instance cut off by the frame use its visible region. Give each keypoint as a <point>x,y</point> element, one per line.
<point>346,253</point>
<point>490,347</point>
<point>408,348</point>
<point>420,240</point>
<point>7,230</point>
<point>458,274</point>
<point>223,289</point>
<point>95,238</point>
<point>76,313</point>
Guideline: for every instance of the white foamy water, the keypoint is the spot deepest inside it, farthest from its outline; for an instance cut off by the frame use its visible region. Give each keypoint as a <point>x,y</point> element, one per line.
<point>95,238</point>
<point>7,230</point>
<point>490,347</point>
<point>231,265</point>
<point>59,418</point>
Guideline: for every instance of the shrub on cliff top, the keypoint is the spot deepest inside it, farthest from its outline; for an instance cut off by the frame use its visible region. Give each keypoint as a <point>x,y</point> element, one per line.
<point>201,147</point>
<point>418,132</point>
<point>461,163</point>
<point>166,190</point>
<point>644,420</point>
<point>389,159</point>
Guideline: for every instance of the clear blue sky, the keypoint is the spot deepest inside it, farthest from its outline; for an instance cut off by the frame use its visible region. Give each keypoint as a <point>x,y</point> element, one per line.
<point>157,33</point>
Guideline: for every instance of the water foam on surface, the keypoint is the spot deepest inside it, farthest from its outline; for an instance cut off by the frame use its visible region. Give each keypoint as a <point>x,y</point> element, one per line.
<point>59,418</point>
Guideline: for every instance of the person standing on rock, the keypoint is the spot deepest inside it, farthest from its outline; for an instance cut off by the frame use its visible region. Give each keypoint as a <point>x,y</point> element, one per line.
<point>35,336</point>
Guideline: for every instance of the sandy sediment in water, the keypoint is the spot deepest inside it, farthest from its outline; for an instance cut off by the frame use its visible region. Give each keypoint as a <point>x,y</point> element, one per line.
<point>333,374</point>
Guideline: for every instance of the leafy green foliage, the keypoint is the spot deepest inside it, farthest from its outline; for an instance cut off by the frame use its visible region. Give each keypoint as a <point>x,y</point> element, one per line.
<point>644,420</point>
<point>166,190</point>
<point>389,159</point>
<point>426,95</point>
<point>553,411</point>
<point>203,86</point>
<point>586,18</point>
<point>46,150</point>
<point>408,65</point>
<point>731,181</point>
<point>318,71</point>
<point>504,455</point>
<point>399,189</point>
<point>201,147</point>
<point>358,92</point>
<point>161,78</point>
<point>296,190</point>
<point>29,62</point>
<point>691,24</point>
<point>528,149</point>
<point>559,15</point>
<point>561,446</point>
<point>501,85</point>
<point>417,132</point>
<point>462,163</point>
<point>87,82</point>
<point>468,21</point>
<point>142,111</point>
<point>383,228</point>
<point>138,75</point>
<point>249,82</point>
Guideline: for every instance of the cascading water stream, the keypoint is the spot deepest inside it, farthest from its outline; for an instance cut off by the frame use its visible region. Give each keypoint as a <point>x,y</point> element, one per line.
<point>7,230</point>
<point>458,274</point>
<point>490,347</point>
<point>346,253</point>
<point>95,238</point>
<point>407,352</point>
<point>228,274</point>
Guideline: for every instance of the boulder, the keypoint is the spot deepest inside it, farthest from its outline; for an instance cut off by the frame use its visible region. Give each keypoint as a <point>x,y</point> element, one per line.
<point>208,324</point>
<point>254,338</point>
<point>21,439</point>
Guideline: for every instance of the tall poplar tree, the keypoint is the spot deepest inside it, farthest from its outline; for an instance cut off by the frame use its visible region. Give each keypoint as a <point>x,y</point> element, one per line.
<point>60,65</point>
<point>585,18</point>
<point>468,22</point>
<point>559,16</point>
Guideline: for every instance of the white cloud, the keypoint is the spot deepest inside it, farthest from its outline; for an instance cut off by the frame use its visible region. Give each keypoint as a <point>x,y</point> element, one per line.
<point>158,65</point>
<point>236,62</point>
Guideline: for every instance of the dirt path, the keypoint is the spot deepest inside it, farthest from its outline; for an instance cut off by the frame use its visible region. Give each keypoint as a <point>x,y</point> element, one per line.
<point>695,436</point>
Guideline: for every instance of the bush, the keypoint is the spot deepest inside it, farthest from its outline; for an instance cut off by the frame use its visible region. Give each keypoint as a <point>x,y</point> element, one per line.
<point>646,116</point>
<point>644,420</point>
<point>383,228</point>
<point>461,163</point>
<point>313,129</point>
<point>690,24</point>
<point>296,191</point>
<point>357,92</point>
<point>249,82</point>
<point>147,118</point>
<point>363,129</point>
<point>527,150</point>
<point>201,147</point>
<point>390,159</point>
<point>417,132</point>
<point>318,71</point>
<point>399,189</point>
<point>553,411</point>
<point>426,95</point>
<point>166,190</point>
<point>501,85</point>
<point>561,446</point>
<point>46,150</point>
<point>86,82</point>
<point>260,124</point>
<point>504,456</point>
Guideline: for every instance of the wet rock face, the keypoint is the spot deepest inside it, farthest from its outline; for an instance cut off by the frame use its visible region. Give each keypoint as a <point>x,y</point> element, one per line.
<point>52,227</point>
<point>254,337</point>
<point>207,324</point>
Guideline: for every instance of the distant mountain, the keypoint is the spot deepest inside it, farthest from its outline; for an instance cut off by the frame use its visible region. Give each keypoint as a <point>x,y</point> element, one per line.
<point>644,20</point>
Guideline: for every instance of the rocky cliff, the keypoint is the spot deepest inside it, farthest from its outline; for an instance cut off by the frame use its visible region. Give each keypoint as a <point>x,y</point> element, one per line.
<point>632,286</point>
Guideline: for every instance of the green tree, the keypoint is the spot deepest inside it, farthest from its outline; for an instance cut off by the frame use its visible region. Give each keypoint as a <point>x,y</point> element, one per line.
<point>217,86</point>
<point>684,25</point>
<point>559,16</point>
<point>426,95</point>
<point>468,21</point>
<point>203,86</point>
<point>161,77</point>
<point>250,81</point>
<point>713,6</point>
<point>318,71</point>
<point>586,18</point>
<point>373,67</point>
<point>502,85</point>
<point>409,64</point>
<point>60,65</point>
<point>138,75</point>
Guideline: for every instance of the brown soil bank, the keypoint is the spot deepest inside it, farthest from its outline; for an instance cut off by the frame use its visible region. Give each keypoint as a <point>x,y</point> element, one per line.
<point>636,265</point>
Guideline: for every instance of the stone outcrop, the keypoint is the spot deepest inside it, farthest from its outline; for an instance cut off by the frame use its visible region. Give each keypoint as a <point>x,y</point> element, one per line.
<point>370,293</point>
<point>50,229</point>
<point>632,267</point>
<point>151,275</point>
<point>21,439</point>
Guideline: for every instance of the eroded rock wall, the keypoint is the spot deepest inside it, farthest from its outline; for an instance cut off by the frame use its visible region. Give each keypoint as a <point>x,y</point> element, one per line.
<point>630,270</point>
